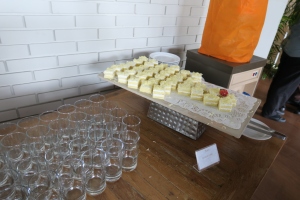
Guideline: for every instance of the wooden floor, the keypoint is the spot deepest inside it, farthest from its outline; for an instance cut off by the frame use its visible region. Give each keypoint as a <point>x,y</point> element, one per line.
<point>282,181</point>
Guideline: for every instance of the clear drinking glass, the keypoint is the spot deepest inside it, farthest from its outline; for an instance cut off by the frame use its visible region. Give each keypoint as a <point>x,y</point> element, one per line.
<point>13,140</point>
<point>115,129</point>
<point>96,100</point>
<point>7,128</point>
<point>94,160</point>
<point>72,179</point>
<point>8,180</point>
<point>79,145</point>
<point>65,110</point>
<point>114,150</point>
<point>56,129</point>
<point>48,116</point>
<point>36,139</point>
<point>75,118</point>
<point>130,140</point>
<point>15,155</point>
<point>132,123</point>
<point>82,105</point>
<point>39,183</point>
<point>108,106</point>
<point>27,123</point>
<point>118,114</point>
<point>27,168</point>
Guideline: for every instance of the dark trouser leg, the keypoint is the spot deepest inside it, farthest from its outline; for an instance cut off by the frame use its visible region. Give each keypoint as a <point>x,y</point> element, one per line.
<point>285,82</point>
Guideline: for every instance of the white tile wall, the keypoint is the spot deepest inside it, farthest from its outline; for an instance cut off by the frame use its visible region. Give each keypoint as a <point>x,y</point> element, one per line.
<point>191,2</point>
<point>94,68</point>
<point>96,46</point>
<point>8,115</point>
<point>50,21</point>
<point>15,51</point>
<point>48,74</point>
<point>78,59</point>
<point>36,87</point>
<point>178,10</point>
<point>76,34</point>
<point>148,32</point>
<point>74,7</point>
<point>31,64</point>
<point>96,87</point>
<point>2,68</point>
<point>200,11</point>
<point>150,9</point>
<point>112,8</point>
<point>188,39</point>
<point>40,7</point>
<point>95,21</point>
<point>21,37</point>
<point>116,55</point>
<point>165,2</point>
<point>162,21</point>
<point>133,43</point>
<point>59,94</point>
<point>160,41</point>
<point>188,21</point>
<point>80,80</point>
<point>15,78</point>
<point>5,92</point>
<point>175,30</point>
<point>52,48</point>
<point>11,22</point>
<point>113,33</point>
<point>11,103</point>
<point>131,21</point>
<point>55,49</point>
<point>39,108</point>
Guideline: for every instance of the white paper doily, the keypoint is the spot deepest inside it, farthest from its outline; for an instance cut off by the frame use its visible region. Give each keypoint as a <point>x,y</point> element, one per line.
<point>232,119</point>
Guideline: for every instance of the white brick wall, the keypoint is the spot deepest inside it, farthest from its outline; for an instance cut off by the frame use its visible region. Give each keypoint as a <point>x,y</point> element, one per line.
<point>53,49</point>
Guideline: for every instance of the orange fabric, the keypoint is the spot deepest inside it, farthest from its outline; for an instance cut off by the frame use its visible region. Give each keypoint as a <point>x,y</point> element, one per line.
<point>233,28</point>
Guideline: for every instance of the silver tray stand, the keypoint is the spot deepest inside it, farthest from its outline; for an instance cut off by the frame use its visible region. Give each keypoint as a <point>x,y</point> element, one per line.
<point>176,121</point>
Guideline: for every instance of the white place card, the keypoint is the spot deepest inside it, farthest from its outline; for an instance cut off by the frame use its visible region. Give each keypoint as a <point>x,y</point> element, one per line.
<point>207,157</point>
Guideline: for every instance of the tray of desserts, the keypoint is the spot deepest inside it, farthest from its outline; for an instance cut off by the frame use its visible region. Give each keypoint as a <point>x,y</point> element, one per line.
<point>184,92</point>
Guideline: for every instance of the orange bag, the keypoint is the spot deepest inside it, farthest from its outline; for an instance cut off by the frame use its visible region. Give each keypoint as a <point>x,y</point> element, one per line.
<point>233,28</point>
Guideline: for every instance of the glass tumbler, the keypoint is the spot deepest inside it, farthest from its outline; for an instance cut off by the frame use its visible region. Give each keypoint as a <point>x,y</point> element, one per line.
<point>7,128</point>
<point>9,179</point>
<point>114,150</point>
<point>132,123</point>
<point>118,114</point>
<point>94,160</point>
<point>36,139</point>
<point>27,123</point>
<point>48,116</point>
<point>108,106</point>
<point>65,110</point>
<point>115,129</point>
<point>39,183</point>
<point>82,105</point>
<point>72,179</point>
<point>131,150</point>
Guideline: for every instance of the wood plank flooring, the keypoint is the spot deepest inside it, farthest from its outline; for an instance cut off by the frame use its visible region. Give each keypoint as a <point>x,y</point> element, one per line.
<point>282,181</point>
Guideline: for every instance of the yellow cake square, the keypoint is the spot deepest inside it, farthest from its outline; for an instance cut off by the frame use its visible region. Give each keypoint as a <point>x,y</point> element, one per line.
<point>109,73</point>
<point>146,86</point>
<point>184,89</point>
<point>211,99</point>
<point>225,104</point>
<point>122,77</point>
<point>197,93</point>
<point>133,82</point>
<point>215,91</point>
<point>158,92</point>
<point>167,85</point>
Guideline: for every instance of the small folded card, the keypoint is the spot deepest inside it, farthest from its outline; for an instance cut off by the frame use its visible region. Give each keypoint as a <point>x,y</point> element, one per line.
<point>207,156</point>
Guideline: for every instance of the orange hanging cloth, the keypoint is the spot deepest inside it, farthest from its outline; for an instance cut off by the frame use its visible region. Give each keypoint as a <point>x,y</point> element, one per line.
<point>233,28</point>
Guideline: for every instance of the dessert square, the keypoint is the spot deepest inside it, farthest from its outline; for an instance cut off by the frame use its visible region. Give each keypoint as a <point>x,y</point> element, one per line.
<point>211,99</point>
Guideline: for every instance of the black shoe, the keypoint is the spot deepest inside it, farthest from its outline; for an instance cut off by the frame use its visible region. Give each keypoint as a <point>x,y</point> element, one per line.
<point>279,112</point>
<point>276,118</point>
<point>282,109</point>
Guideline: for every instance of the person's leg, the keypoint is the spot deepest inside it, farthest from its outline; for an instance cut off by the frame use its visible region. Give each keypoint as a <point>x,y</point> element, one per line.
<point>284,83</point>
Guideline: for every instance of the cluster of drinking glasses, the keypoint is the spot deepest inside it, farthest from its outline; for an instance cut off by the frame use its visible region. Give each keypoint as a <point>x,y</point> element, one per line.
<point>69,152</point>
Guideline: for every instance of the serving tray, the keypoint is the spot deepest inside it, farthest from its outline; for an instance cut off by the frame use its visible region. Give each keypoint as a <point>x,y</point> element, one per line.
<point>195,116</point>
